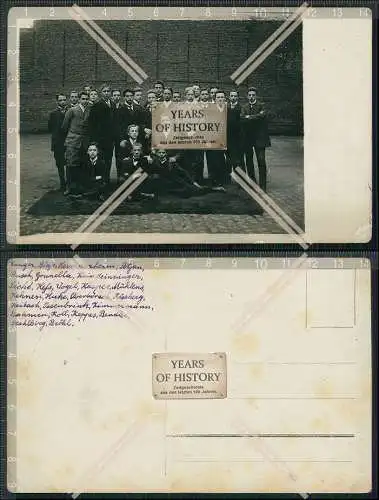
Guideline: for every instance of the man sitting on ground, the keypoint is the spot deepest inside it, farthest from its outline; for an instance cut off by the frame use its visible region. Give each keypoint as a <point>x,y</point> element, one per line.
<point>133,136</point>
<point>171,175</point>
<point>95,170</point>
<point>134,162</point>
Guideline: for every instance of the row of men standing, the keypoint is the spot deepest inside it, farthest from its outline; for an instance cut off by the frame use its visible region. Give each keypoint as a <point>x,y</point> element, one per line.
<point>105,119</point>
<point>100,120</point>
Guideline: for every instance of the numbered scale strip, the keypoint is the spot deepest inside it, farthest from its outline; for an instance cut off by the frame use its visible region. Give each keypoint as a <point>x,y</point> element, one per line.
<point>170,260</point>
<point>13,127</point>
<point>191,11</point>
<point>11,466</point>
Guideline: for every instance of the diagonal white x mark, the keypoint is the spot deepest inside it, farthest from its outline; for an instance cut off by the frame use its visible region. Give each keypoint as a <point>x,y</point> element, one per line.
<point>269,45</point>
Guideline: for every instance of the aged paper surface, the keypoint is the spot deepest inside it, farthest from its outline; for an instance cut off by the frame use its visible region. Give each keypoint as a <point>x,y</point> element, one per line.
<point>82,333</point>
<point>337,105</point>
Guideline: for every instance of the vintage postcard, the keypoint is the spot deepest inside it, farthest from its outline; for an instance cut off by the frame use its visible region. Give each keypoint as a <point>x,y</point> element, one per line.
<point>189,375</point>
<point>189,125</point>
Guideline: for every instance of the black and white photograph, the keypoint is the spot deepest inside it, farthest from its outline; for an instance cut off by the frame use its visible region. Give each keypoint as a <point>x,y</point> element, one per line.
<point>88,87</point>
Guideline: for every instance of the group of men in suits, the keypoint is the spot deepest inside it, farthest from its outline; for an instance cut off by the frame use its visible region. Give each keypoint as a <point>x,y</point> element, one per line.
<point>91,126</point>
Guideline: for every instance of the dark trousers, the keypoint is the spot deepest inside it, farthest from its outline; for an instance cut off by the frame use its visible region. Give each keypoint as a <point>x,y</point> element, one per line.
<point>75,173</point>
<point>95,187</point>
<point>260,154</point>
<point>107,154</point>
<point>193,164</point>
<point>59,156</point>
<point>174,178</point>
<point>218,168</point>
<point>180,178</point>
<point>117,153</point>
<point>234,154</point>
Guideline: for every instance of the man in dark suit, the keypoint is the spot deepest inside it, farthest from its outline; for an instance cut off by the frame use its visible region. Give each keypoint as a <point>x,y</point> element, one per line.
<point>55,122</point>
<point>134,160</point>
<point>256,137</point>
<point>147,117</point>
<point>126,145</point>
<point>117,110</point>
<point>94,168</point>
<point>170,175</point>
<point>74,129</point>
<point>100,128</point>
<point>131,113</point>
<point>129,166</point>
<point>234,130</point>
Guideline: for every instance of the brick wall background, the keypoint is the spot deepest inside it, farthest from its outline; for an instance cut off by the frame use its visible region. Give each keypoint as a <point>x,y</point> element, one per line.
<point>60,55</point>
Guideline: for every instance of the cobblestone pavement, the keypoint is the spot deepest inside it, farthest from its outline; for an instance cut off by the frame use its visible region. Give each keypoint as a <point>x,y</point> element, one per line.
<point>285,186</point>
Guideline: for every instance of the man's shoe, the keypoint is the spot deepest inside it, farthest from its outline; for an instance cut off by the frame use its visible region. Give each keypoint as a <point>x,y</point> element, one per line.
<point>90,193</point>
<point>198,186</point>
<point>219,188</point>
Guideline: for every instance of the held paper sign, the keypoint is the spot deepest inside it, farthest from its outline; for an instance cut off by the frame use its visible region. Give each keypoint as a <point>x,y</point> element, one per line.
<point>189,376</point>
<point>189,126</point>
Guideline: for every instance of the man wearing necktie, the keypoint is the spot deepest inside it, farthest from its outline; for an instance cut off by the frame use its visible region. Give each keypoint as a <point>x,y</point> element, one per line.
<point>100,128</point>
<point>255,136</point>
<point>147,118</point>
<point>94,168</point>
<point>117,113</point>
<point>127,145</point>
<point>131,113</point>
<point>136,161</point>
<point>74,128</point>
<point>55,122</point>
